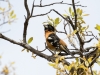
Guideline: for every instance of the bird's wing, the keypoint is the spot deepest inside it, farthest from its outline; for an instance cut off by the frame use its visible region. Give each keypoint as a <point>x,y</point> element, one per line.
<point>53,39</point>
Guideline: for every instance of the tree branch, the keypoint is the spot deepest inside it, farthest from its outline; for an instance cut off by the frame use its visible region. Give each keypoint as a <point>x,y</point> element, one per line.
<point>26,7</point>
<point>24,45</point>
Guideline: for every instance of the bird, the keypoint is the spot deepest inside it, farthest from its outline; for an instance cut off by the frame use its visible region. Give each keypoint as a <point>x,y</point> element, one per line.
<point>53,42</point>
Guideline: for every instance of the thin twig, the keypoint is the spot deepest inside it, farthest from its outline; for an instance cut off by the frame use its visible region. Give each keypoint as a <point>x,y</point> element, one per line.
<point>88,40</point>
<point>47,4</point>
<point>6,22</point>
<point>65,27</point>
<point>32,7</point>
<point>42,14</point>
<point>44,49</point>
<point>75,13</point>
<point>5,31</point>
<point>70,57</point>
<point>54,4</point>
<point>40,2</point>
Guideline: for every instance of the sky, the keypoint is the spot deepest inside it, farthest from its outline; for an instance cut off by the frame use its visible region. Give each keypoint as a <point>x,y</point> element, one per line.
<point>24,63</point>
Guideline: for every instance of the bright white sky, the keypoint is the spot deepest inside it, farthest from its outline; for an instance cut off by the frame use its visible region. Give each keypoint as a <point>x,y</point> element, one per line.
<point>24,63</point>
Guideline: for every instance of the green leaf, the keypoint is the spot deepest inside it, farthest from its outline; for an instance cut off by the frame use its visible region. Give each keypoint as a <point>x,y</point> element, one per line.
<point>14,16</point>
<point>86,15</point>
<point>77,60</point>
<point>74,32</point>
<point>98,62</point>
<point>99,34</point>
<point>12,12</point>
<point>80,18</point>
<point>90,59</point>
<point>70,10</point>
<point>50,18</point>
<point>83,28</point>
<point>30,40</point>
<point>97,27</point>
<point>56,21</point>
<point>87,27</point>
<point>95,72</point>
<point>80,12</point>
<point>78,9</point>
<point>73,14</point>
<point>49,22</point>
<point>65,15</point>
<point>2,9</point>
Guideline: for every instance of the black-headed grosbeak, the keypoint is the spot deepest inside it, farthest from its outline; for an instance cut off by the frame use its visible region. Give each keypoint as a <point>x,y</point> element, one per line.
<point>53,41</point>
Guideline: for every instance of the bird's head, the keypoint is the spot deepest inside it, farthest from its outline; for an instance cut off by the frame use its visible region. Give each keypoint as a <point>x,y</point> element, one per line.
<point>49,27</point>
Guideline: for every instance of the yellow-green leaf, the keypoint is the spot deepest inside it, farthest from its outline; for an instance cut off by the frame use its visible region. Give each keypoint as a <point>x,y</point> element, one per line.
<point>49,22</point>
<point>97,27</point>
<point>65,15</point>
<point>77,60</point>
<point>82,21</point>
<point>56,21</point>
<point>82,66</point>
<point>2,9</point>
<point>98,62</point>
<point>86,15</point>
<point>80,12</point>
<point>12,63</point>
<point>99,34</point>
<point>78,9</point>
<point>80,17</point>
<point>87,27</point>
<point>30,40</point>
<point>0,56</point>
<point>83,28</point>
<point>74,32</point>
<point>9,22</point>
<point>54,65</point>
<point>50,18</point>
<point>14,16</point>
<point>51,64</point>
<point>70,10</point>
<point>73,14</point>
<point>95,72</point>
<point>90,59</point>
<point>12,12</point>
